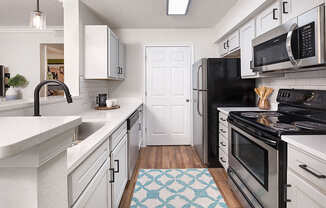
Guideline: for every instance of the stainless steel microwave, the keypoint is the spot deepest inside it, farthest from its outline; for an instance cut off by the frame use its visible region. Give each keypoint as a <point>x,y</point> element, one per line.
<point>297,44</point>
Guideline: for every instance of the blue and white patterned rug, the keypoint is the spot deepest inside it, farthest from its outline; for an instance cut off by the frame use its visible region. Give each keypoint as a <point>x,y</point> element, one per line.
<point>174,188</point>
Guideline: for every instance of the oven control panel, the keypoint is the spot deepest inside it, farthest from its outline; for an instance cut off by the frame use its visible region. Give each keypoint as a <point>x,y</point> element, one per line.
<point>304,98</point>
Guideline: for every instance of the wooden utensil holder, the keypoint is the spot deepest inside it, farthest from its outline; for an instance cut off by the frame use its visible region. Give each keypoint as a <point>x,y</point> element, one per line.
<point>264,104</point>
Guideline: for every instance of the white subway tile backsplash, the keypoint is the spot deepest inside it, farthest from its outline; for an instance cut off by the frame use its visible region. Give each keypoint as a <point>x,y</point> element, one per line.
<point>315,80</point>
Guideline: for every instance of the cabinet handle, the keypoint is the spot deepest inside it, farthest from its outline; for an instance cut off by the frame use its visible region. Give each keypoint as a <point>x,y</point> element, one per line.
<point>305,167</point>
<point>224,45</point>
<point>113,179</point>
<point>284,10</point>
<point>222,144</point>
<point>274,14</point>
<point>223,161</point>
<point>222,131</point>
<point>118,164</point>
<point>227,43</point>
<point>286,191</point>
<point>252,65</point>
<point>222,119</point>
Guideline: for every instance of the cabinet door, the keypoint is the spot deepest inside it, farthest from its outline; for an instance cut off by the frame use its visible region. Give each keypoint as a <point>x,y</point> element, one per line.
<point>247,33</point>
<point>293,8</point>
<point>114,71</point>
<point>96,194</point>
<point>96,52</point>
<point>223,48</point>
<point>302,195</point>
<point>119,161</point>
<point>122,59</point>
<point>233,42</point>
<point>268,19</point>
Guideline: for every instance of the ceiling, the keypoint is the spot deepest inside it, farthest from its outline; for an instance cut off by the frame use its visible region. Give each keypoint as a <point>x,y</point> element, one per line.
<point>152,13</point>
<point>17,12</point>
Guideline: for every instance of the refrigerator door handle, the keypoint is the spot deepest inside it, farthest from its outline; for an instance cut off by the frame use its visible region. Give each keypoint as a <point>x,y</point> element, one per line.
<point>198,101</point>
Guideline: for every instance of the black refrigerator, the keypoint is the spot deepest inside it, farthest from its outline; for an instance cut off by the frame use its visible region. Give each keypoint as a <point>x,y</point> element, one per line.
<point>216,83</point>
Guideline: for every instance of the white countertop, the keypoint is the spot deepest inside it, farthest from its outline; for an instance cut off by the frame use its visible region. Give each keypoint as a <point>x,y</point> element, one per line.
<point>112,118</point>
<point>21,133</point>
<point>313,144</point>
<point>227,110</point>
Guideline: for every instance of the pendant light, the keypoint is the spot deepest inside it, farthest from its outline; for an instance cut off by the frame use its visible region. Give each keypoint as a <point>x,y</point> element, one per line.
<point>38,18</point>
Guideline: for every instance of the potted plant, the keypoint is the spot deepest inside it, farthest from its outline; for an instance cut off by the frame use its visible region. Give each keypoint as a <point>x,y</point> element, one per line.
<point>15,84</point>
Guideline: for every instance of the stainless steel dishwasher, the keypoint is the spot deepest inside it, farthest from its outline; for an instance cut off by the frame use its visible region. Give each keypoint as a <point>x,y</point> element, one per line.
<point>133,141</point>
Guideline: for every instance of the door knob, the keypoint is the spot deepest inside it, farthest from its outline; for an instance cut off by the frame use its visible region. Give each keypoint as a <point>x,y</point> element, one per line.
<point>187,100</point>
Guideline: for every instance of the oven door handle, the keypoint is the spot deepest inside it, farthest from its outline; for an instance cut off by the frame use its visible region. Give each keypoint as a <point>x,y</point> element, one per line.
<point>293,61</point>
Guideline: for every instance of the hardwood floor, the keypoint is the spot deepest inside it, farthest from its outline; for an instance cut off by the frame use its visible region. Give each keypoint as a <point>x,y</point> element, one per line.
<point>165,157</point>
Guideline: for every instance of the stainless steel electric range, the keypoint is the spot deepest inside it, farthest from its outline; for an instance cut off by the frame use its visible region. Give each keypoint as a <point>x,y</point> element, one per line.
<point>258,156</point>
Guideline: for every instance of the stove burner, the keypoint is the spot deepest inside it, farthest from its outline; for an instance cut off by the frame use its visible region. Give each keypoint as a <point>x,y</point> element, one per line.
<point>284,127</point>
<point>310,125</point>
<point>260,114</point>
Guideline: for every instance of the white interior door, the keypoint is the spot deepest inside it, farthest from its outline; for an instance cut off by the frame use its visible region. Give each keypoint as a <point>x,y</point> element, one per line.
<point>168,78</point>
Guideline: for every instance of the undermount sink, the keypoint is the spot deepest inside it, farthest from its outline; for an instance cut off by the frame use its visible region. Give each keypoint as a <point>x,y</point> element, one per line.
<point>86,129</point>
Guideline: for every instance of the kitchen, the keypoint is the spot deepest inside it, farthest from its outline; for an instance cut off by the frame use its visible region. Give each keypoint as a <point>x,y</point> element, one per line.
<point>185,104</point>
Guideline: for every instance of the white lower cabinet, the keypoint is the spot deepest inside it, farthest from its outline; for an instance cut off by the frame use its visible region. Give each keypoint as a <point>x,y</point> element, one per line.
<point>98,191</point>
<point>306,177</point>
<point>119,162</point>
<point>302,194</point>
<point>223,140</point>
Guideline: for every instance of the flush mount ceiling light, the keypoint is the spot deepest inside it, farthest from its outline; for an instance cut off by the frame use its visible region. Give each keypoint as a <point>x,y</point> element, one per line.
<point>177,7</point>
<point>38,18</point>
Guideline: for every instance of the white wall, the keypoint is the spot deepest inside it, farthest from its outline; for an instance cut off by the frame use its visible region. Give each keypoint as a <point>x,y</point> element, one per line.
<point>136,39</point>
<point>20,51</point>
<point>242,11</point>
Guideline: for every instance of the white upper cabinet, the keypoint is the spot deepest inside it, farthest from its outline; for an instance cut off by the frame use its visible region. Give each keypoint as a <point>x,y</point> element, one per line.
<point>102,57</point>
<point>293,8</point>
<point>96,52</point>
<point>230,44</point>
<point>122,59</point>
<point>247,33</point>
<point>223,47</point>
<point>233,42</point>
<point>113,58</point>
<point>269,18</point>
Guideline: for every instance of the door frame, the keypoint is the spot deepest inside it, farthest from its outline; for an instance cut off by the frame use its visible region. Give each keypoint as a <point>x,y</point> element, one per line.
<point>145,115</point>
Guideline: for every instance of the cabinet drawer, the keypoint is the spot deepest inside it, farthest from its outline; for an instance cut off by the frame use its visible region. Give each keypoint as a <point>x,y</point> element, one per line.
<point>223,143</point>
<point>309,167</point>
<point>302,194</point>
<point>96,193</point>
<point>224,159</point>
<point>80,178</point>
<point>223,119</point>
<point>118,135</point>
<point>223,130</point>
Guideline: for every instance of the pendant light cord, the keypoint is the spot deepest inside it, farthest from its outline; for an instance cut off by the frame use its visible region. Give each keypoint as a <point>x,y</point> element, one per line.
<point>37,5</point>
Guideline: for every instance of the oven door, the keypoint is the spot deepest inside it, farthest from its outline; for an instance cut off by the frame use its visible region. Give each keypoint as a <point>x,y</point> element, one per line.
<point>255,163</point>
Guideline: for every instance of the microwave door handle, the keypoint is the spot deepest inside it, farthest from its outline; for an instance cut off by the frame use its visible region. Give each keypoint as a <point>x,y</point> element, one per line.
<point>289,45</point>
<point>198,91</point>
